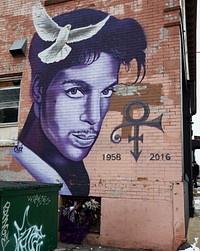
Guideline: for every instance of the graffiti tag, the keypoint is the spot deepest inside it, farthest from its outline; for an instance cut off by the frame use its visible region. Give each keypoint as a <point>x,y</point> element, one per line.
<point>28,237</point>
<point>39,200</point>
<point>18,148</point>
<point>136,123</point>
<point>5,226</point>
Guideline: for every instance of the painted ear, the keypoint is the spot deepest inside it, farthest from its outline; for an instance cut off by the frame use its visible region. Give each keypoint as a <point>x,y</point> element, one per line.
<point>37,94</point>
<point>37,89</point>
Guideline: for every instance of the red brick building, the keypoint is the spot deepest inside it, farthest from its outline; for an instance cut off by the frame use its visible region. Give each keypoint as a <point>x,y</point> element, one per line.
<point>137,159</point>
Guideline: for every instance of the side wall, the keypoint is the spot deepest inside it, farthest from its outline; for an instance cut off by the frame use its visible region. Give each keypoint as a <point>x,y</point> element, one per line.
<point>135,165</point>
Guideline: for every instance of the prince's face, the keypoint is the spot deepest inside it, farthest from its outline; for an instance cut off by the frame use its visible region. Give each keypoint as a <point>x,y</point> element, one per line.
<point>75,104</point>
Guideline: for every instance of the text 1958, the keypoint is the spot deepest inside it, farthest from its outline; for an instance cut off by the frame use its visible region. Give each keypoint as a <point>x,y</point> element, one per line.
<point>111,156</point>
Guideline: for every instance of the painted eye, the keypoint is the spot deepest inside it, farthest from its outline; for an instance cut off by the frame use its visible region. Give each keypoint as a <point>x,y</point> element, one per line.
<point>107,93</point>
<point>74,93</point>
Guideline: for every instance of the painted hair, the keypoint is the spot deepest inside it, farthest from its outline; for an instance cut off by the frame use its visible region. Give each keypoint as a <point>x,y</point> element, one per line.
<point>124,39</point>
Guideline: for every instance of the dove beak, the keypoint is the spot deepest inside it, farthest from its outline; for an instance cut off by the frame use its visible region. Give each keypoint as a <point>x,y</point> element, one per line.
<point>63,41</point>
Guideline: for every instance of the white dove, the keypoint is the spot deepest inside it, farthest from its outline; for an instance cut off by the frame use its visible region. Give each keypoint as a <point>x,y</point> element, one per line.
<point>48,30</point>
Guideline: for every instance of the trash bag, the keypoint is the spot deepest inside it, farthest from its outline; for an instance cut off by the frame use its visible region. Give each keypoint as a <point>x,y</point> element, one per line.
<point>70,232</point>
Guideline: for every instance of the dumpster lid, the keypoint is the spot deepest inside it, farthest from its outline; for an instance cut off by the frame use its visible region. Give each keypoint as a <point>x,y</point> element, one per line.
<point>12,185</point>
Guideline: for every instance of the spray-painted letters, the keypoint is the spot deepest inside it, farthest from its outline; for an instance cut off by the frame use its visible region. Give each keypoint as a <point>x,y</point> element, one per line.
<point>5,226</point>
<point>28,237</point>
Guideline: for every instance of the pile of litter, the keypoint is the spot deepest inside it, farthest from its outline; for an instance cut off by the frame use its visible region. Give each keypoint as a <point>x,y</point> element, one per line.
<point>189,247</point>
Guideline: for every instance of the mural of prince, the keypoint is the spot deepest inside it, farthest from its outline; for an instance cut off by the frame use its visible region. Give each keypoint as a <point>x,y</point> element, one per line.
<point>75,60</point>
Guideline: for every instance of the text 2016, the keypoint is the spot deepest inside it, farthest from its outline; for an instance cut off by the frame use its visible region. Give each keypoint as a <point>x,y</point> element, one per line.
<point>158,156</point>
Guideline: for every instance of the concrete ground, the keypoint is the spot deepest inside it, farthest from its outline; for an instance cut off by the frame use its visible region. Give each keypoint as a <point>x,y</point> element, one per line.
<point>73,247</point>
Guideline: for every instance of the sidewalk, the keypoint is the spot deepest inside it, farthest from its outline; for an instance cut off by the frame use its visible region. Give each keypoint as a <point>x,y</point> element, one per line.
<point>194,223</point>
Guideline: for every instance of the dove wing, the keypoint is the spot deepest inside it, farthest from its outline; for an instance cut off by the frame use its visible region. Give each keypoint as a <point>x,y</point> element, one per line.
<point>86,32</point>
<point>55,53</point>
<point>46,28</point>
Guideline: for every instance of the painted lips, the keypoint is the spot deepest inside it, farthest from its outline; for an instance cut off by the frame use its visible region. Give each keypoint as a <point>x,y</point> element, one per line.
<point>83,139</point>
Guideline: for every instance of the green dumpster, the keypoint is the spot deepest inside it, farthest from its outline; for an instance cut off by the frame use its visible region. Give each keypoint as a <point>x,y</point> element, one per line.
<point>29,216</point>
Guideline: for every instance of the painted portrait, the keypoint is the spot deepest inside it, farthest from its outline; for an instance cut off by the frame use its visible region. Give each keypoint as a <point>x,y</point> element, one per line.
<point>75,60</point>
